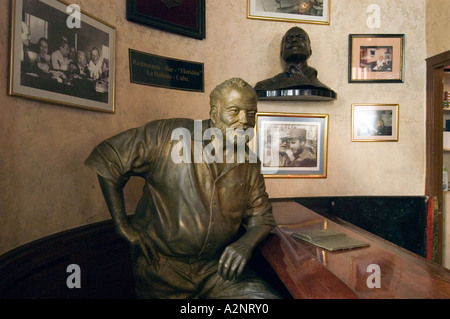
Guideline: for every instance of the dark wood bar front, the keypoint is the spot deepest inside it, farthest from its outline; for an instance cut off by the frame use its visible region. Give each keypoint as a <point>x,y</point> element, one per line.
<point>381,271</point>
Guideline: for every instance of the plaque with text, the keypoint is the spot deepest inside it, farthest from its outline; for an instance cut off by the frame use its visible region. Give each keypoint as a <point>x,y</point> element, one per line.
<point>154,70</point>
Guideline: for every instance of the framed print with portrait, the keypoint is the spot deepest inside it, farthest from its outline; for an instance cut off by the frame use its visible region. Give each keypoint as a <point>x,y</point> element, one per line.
<point>375,122</point>
<point>298,11</point>
<point>376,58</point>
<point>292,145</point>
<point>184,17</point>
<point>60,54</point>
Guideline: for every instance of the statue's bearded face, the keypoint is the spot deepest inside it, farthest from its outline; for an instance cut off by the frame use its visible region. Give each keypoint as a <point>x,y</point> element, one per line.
<point>235,114</point>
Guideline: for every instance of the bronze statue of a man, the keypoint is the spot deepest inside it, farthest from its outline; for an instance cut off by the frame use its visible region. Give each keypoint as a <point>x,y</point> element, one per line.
<point>295,51</point>
<point>186,233</point>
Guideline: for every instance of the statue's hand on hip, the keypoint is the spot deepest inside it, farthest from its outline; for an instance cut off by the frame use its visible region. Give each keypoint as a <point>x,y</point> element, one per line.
<point>141,242</point>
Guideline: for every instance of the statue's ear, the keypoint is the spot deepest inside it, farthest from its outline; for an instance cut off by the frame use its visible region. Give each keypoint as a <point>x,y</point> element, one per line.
<point>213,113</point>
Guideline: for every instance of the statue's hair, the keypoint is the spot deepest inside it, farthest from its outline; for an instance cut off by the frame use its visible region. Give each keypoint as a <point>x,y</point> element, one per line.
<point>230,83</point>
<point>296,29</point>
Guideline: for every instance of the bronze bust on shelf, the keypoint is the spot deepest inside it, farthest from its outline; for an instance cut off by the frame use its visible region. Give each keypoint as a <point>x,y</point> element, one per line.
<point>295,51</point>
<point>186,233</point>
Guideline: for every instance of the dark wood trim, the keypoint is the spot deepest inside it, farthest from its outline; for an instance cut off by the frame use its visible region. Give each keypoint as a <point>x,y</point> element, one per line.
<point>38,270</point>
<point>434,141</point>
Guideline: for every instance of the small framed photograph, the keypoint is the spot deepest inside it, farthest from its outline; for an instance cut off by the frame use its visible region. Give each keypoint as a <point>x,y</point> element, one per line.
<point>375,122</point>
<point>184,17</point>
<point>298,11</point>
<point>292,145</point>
<point>376,58</point>
<point>61,55</point>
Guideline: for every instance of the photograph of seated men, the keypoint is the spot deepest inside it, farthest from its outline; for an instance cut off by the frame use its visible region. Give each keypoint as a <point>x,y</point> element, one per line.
<point>306,7</point>
<point>63,63</point>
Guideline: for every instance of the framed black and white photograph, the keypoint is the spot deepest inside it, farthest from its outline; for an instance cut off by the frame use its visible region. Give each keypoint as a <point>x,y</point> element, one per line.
<point>298,11</point>
<point>60,54</point>
<point>183,17</point>
<point>292,145</point>
<point>376,58</point>
<point>375,122</point>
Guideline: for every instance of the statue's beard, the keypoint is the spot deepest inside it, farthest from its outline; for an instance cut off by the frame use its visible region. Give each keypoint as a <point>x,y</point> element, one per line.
<point>232,135</point>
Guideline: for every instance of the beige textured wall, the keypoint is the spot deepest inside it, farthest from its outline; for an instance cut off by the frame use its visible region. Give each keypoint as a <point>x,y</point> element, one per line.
<point>438,12</point>
<point>44,187</point>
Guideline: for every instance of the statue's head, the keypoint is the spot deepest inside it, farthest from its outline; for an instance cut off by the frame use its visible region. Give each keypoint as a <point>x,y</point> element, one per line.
<point>233,106</point>
<point>296,46</point>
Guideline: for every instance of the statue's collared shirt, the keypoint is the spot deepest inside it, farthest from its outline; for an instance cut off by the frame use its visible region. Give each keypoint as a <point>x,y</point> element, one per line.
<point>189,209</point>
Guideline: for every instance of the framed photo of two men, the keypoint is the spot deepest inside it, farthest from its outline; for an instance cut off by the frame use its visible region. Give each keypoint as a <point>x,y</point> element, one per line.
<point>60,54</point>
<point>292,145</point>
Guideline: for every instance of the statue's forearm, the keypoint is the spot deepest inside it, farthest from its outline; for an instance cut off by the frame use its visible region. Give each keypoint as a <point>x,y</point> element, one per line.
<point>255,234</point>
<point>114,198</point>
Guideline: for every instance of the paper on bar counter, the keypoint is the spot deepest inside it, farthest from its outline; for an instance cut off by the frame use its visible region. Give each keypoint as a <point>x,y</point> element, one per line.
<point>329,239</point>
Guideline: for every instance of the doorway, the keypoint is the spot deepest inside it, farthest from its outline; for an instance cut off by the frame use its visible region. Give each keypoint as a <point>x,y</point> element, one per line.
<point>434,150</point>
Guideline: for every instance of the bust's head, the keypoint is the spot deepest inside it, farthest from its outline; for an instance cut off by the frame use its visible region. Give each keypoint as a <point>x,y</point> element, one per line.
<point>295,46</point>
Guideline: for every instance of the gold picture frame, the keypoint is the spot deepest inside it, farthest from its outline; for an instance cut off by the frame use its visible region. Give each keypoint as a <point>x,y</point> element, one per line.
<point>52,43</point>
<point>375,122</point>
<point>307,11</point>
<point>292,145</point>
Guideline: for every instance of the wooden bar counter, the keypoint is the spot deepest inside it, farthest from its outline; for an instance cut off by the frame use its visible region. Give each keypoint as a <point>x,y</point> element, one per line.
<point>308,271</point>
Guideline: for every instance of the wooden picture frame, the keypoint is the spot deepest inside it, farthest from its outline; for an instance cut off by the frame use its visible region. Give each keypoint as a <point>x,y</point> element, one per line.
<point>48,38</point>
<point>375,122</point>
<point>315,12</point>
<point>183,17</point>
<point>376,58</point>
<point>292,145</point>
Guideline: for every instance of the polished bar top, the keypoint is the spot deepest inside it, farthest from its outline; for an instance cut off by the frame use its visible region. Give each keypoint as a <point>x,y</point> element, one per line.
<point>311,272</point>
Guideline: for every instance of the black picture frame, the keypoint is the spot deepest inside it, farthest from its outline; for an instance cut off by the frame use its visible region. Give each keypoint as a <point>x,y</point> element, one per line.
<point>33,72</point>
<point>183,17</point>
<point>366,49</point>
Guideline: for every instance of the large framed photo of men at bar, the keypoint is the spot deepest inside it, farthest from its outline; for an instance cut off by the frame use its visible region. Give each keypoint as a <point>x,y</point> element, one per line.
<point>297,11</point>
<point>62,55</point>
<point>292,145</point>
